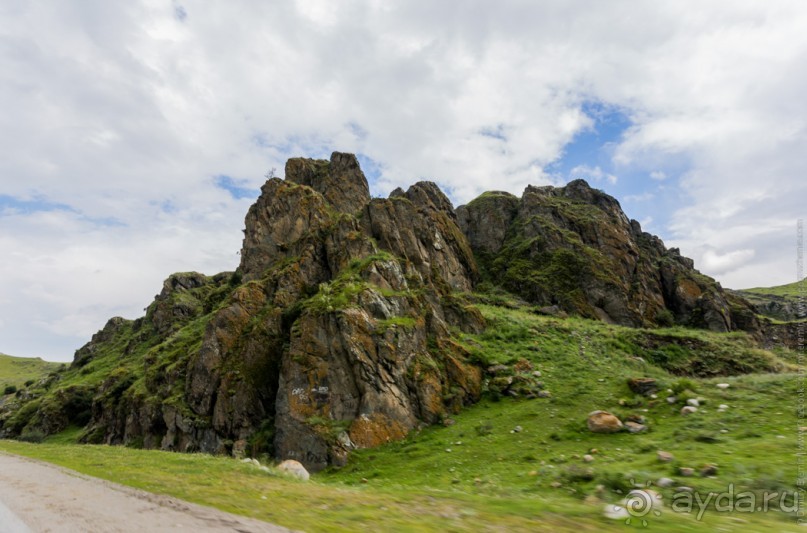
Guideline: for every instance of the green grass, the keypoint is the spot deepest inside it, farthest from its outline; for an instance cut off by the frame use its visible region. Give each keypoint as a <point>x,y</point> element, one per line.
<point>17,371</point>
<point>478,474</point>
<point>791,289</point>
<point>778,304</point>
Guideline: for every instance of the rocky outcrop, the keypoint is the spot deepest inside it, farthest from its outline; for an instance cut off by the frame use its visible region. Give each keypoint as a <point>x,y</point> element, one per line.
<point>340,181</point>
<point>337,330</point>
<point>485,222</point>
<point>334,333</point>
<point>573,247</point>
<point>420,227</point>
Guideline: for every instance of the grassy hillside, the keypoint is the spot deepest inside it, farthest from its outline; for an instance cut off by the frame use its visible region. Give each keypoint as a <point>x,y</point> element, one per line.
<point>16,371</point>
<point>518,464</point>
<point>791,289</point>
<point>779,303</point>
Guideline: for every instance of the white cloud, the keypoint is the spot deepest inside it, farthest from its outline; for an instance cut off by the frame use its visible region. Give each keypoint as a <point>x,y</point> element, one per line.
<point>126,111</point>
<point>718,263</point>
<point>595,174</point>
<point>643,197</point>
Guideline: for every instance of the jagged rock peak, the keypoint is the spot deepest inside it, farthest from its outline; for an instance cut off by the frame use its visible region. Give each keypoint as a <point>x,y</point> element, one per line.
<point>340,180</point>
<point>428,194</point>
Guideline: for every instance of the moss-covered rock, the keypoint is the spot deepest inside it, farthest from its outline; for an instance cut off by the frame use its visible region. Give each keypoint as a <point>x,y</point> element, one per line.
<point>573,247</point>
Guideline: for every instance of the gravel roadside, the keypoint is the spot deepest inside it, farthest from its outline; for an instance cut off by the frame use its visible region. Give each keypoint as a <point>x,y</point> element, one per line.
<point>38,497</point>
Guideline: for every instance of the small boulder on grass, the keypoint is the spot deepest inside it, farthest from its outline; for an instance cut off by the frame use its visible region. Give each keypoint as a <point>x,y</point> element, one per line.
<point>294,468</point>
<point>635,427</point>
<point>709,470</point>
<point>603,422</point>
<point>664,457</point>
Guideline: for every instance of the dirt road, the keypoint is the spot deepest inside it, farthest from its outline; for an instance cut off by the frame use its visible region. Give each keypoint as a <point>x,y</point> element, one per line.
<point>36,497</point>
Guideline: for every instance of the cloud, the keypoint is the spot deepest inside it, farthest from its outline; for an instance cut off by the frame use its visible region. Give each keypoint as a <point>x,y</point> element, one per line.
<point>644,197</point>
<point>595,174</point>
<point>122,113</point>
<point>720,263</point>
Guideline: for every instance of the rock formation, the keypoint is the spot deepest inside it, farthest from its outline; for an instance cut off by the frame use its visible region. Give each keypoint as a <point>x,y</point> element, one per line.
<point>573,247</point>
<point>333,334</point>
<point>337,330</point>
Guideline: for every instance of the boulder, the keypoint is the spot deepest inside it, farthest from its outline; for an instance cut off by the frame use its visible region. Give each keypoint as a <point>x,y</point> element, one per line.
<point>709,470</point>
<point>603,422</point>
<point>295,469</point>
<point>664,457</point>
<point>635,427</point>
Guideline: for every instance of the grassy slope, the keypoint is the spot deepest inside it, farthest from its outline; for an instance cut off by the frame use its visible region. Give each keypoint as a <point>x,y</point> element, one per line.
<point>784,295</point>
<point>493,478</point>
<point>792,289</point>
<point>17,370</point>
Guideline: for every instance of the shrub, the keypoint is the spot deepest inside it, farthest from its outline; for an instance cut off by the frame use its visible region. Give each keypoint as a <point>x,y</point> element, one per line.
<point>682,385</point>
<point>10,389</point>
<point>665,318</point>
<point>616,482</point>
<point>484,428</point>
<point>32,435</point>
<point>578,473</point>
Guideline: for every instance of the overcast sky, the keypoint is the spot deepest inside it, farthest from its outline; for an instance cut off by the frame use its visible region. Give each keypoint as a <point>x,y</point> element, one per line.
<point>136,134</point>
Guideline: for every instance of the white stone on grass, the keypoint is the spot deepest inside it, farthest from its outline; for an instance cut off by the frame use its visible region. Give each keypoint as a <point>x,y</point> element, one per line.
<point>294,468</point>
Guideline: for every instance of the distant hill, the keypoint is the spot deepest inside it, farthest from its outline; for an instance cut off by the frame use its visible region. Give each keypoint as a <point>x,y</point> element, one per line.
<point>15,371</point>
<point>779,303</point>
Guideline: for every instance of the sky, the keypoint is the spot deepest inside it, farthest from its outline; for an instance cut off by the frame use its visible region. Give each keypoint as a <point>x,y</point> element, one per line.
<point>136,134</point>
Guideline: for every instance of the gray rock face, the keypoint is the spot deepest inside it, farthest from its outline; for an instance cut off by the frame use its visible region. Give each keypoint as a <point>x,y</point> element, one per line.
<point>486,222</point>
<point>420,227</point>
<point>278,225</point>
